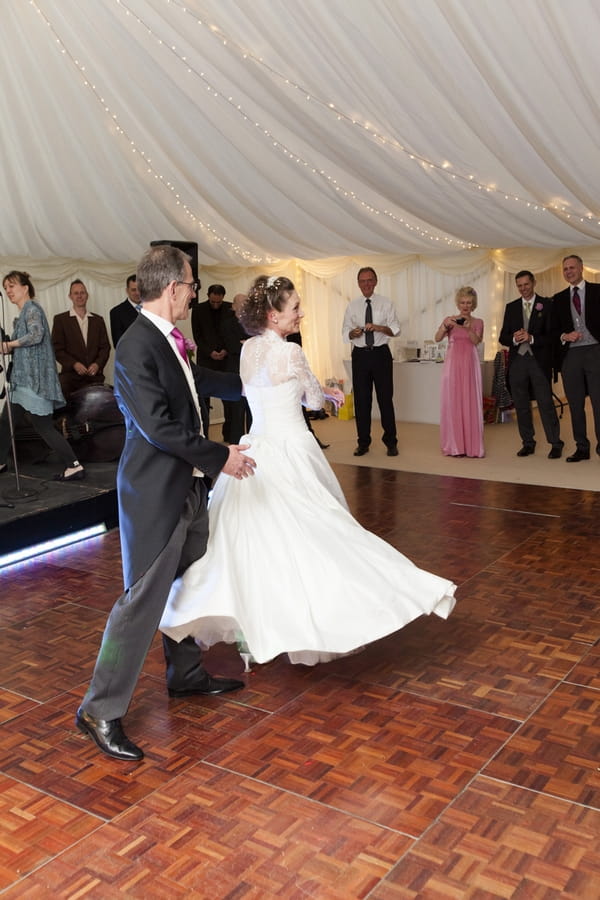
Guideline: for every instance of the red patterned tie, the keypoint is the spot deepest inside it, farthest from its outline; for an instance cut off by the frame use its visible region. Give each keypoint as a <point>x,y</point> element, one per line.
<point>576,300</point>
<point>180,341</point>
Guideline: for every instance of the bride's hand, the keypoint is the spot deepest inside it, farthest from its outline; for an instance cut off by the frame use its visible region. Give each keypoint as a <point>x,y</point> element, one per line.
<point>335,395</point>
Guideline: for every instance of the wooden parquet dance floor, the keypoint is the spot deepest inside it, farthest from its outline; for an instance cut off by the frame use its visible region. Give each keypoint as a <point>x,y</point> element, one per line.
<point>456,759</point>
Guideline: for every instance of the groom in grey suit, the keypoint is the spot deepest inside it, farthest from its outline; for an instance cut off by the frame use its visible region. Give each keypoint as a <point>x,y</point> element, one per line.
<point>162,496</point>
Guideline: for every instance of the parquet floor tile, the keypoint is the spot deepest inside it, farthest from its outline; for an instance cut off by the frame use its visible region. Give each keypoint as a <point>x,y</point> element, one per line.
<point>29,590</point>
<point>101,555</point>
<point>523,599</point>
<point>545,554</point>
<point>557,750</point>
<point>216,835</point>
<point>454,759</point>
<point>43,587</point>
<point>477,534</point>
<point>12,705</point>
<point>44,749</point>
<point>273,685</point>
<point>505,671</point>
<point>587,671</point>
<point>50,652</point>
<point>388,757</point>
<point>499,841</point>
<point>178,732</point>
<point>444,556</point>
<point>34,828</point>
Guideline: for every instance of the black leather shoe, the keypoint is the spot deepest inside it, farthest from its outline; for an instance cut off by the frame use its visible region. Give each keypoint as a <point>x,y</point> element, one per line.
<point>392,451</point>
<point>360,451</point>
<point>555,452</point>
<point>597,449</point>
<point>108,736</point>
<point>526,450</point>
<point>208,685</point>
<point>578,456</point>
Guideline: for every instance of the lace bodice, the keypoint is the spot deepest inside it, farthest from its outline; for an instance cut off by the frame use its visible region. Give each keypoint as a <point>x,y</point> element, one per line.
<point>267,360</point>
<point>277,381</point>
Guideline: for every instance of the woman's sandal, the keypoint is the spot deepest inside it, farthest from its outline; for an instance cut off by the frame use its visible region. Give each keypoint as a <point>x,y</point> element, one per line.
<point>78,475</point>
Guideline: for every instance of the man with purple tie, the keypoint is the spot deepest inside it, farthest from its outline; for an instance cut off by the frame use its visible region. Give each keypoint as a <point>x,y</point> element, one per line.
<point>576,321</point>
<point>162,493</point>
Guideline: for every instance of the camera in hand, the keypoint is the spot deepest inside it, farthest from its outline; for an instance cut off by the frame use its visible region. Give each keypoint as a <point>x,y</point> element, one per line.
<point>461,320</point>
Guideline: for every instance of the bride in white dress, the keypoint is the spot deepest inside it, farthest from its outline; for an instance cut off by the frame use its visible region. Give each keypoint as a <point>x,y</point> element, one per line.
<point>287,568</point>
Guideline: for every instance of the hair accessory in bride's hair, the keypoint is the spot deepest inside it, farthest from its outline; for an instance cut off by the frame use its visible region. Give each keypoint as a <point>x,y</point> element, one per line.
<point>271,280</point>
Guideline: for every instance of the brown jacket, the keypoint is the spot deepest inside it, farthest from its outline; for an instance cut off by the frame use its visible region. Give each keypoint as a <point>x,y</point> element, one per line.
<point>69,347</point>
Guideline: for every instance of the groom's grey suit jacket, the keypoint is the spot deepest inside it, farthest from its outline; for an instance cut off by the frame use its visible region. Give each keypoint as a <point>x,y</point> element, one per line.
<point>162,441</point>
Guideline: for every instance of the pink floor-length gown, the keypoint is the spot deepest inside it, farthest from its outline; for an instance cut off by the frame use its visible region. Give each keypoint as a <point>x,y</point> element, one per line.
<point>461,413</point>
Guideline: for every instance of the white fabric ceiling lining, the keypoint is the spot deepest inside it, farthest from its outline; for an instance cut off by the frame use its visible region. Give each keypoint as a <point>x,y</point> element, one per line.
<point>486,88</point>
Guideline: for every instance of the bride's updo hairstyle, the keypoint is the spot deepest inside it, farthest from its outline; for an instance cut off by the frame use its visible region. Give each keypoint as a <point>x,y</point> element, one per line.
<point>264,295</point>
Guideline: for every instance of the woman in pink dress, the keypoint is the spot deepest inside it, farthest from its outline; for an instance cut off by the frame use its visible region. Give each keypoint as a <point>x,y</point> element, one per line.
<point>461,414</point>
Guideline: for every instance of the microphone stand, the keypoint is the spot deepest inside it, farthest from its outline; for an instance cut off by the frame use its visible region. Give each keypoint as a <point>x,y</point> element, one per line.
<point>4,503</point>
<point>19,493</point>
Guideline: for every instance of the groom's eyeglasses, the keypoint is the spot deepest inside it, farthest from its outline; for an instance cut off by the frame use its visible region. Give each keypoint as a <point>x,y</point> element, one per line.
<point>191,284</point>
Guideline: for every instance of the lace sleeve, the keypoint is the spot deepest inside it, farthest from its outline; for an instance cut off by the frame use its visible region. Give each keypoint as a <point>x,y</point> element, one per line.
<point>300,369</point>
<point>268,360</point>
<point>34,333</point>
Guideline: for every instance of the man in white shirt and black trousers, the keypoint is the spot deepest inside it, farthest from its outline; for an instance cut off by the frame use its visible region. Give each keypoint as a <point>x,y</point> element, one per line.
<point>369,323</point>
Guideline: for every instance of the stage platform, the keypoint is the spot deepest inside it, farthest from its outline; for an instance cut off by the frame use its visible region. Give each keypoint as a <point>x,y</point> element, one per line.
<point>40,509</point>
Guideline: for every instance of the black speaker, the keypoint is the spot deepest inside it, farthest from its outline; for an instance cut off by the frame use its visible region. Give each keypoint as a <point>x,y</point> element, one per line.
<point>188,247</point>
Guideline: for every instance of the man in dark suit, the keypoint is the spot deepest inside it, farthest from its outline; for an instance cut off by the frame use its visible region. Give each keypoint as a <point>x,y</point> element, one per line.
<point>162,495</point>
<point>576,320</point>
<point>211,322</point>
<point>124,314</point>
<point>208,321</point>
<point>80,342</point>
<point>526,331</point>
<point>237,415</point>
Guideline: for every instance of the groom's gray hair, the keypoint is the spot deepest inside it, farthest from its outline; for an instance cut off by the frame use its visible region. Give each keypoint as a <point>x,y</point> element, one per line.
<point>158,267</point>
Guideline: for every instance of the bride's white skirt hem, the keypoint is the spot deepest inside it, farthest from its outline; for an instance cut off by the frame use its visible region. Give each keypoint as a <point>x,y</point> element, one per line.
<point>210,630</point>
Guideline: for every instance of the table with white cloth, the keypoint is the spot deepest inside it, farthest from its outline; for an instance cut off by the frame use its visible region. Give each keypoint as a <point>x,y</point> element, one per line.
<point>417,389</point>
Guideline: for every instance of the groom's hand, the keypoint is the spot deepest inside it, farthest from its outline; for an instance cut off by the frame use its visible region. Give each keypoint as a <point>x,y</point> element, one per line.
<point>239,465</point>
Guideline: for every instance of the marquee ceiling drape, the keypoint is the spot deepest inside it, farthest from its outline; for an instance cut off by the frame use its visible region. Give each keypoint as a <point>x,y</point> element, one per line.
<point>269,130</point>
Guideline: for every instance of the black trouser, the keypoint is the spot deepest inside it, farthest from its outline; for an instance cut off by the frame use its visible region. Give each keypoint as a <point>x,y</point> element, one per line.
<point>237,420</point>
<point>581,375</point>
<point>373,368</point>
<point>526,377</point>
<point>42,425</point>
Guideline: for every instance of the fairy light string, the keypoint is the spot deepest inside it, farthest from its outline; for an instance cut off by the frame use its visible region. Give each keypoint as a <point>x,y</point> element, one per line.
<point>151,169</point>
<point>444,168</point>
<point>274,141</point>
<point>122,131</point>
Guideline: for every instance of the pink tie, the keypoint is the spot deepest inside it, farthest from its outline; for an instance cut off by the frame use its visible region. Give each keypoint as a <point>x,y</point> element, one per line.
<point>180,341</point>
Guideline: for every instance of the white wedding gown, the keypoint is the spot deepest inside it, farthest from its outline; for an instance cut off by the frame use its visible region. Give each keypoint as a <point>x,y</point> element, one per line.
<point>287,568</point>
